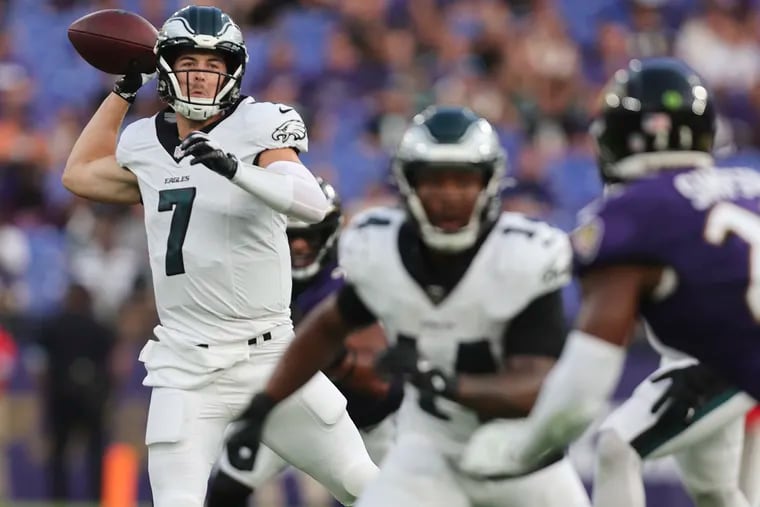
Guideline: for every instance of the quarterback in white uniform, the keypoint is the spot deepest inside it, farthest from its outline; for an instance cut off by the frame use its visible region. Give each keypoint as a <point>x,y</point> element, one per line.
<point>218,174</point>
<point>470,301</point>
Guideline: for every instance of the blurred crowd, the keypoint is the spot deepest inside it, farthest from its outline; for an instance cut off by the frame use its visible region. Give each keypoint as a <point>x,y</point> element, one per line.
<point>357,70</point>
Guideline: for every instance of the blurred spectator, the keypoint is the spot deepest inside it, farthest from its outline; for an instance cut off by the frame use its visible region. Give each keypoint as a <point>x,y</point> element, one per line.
<point>614,50</point>
<point>363,167</point>
<point>19,142</point>
<point>8,356</point>
<point>14,261</point>
<point>650,36</point>
<point>76,385</point>
<point>721,46</point>
<point>106,254</point>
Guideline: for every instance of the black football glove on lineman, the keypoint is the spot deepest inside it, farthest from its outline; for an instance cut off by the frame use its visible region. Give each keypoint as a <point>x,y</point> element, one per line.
<point>404,361</point>
<point>127,85</point>
<point>243,443</point>
<point>208,152</point>
<point>690,389</point>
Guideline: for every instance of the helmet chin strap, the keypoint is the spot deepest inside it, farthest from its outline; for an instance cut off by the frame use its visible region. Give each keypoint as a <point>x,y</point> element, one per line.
<point>195,112</point>
<point>306,272</point>
<point>442,241</point>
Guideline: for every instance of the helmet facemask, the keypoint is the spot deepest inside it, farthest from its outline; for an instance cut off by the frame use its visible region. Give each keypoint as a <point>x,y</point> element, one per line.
<point>321,237</point>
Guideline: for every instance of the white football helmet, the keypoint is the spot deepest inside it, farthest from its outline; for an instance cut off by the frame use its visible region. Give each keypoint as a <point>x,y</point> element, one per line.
<point>197,27</point>
<point>451,137</point>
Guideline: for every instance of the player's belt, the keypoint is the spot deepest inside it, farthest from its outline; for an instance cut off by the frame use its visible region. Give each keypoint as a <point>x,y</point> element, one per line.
<point>253,341</point>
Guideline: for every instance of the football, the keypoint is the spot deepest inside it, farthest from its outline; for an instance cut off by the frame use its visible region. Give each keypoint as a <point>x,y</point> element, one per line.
<point>112,38</point>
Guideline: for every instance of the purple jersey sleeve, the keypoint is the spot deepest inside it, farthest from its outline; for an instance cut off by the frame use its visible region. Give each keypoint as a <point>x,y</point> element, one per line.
<point>631,226</point>
<point>327,281</point>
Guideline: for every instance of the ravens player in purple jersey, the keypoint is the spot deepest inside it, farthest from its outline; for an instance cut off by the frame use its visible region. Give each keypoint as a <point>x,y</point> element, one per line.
<point>371,401</point>
<point>675,241</point>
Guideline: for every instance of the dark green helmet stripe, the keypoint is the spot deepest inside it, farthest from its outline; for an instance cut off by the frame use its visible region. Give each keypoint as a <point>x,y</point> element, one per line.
<point>448,125</point>
<point>204,20</point>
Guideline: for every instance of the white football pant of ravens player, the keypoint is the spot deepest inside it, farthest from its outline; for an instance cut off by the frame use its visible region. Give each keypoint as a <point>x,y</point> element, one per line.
<point>749,479</point>
<point>708,450</point>
<point>218,174</point>
<point>470,299</point>
<point>371,402</point>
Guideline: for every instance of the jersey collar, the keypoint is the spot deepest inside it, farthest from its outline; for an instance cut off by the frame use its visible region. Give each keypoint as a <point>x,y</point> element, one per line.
<point>166,127</point>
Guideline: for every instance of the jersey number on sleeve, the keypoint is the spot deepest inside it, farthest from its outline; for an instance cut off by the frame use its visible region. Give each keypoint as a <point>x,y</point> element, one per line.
<point>474,357</point>
<point>726,218</point>
<point>181,201</point>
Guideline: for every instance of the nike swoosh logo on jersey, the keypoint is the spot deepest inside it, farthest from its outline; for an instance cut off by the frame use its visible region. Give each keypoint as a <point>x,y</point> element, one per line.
<point>284,110</point>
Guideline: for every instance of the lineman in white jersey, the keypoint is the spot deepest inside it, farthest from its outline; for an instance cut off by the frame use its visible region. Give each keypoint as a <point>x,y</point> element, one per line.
<point>470,300</point>
<point>218,174</point>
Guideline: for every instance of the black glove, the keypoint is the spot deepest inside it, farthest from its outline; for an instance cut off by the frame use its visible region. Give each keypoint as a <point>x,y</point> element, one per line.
<point>127,85</point>
<point>691,388</point>
<point>243,443</point>
<point>405,362</point>
<point>208,152</point>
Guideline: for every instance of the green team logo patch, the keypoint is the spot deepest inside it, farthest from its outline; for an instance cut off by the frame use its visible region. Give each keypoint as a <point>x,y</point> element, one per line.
<point>672,99</point>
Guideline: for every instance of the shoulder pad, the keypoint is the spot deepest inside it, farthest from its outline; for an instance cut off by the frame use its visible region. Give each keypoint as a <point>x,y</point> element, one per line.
<point>362,241</point>
<point>133,140</point>
<point>535,252</point>
<point>271,126</point>
<point>630,225</point>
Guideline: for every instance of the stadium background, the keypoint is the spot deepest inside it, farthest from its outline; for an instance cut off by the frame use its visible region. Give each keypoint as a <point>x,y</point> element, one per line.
<point>357,70</point>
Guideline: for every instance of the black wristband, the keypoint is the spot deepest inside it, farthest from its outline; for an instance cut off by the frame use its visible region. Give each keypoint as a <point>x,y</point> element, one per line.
<point>260,406</point>
<point>130,98</point>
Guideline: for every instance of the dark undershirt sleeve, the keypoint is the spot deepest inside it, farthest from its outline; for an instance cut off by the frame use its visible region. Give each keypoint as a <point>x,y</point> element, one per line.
<point>539,330</point>
<point>352,308</point>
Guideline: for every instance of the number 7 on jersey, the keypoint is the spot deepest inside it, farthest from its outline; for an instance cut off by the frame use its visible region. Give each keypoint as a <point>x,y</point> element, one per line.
<point>726,218</point>
<point>181,201</point>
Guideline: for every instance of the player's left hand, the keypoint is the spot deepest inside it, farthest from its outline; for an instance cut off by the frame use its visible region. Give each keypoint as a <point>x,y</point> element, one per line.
<point>690,389</point>
<point>208,152</point>
<point>243,444</point>
<point>398,360</point>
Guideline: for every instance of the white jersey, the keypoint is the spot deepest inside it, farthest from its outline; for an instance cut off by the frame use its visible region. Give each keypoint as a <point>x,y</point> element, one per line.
<point>219,256</point>
<point>519,261</point>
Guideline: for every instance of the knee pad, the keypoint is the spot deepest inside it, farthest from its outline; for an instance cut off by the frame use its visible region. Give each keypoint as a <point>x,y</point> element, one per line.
<point>613,451</point>
<point>357,478</point>
<point>224,491</point>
